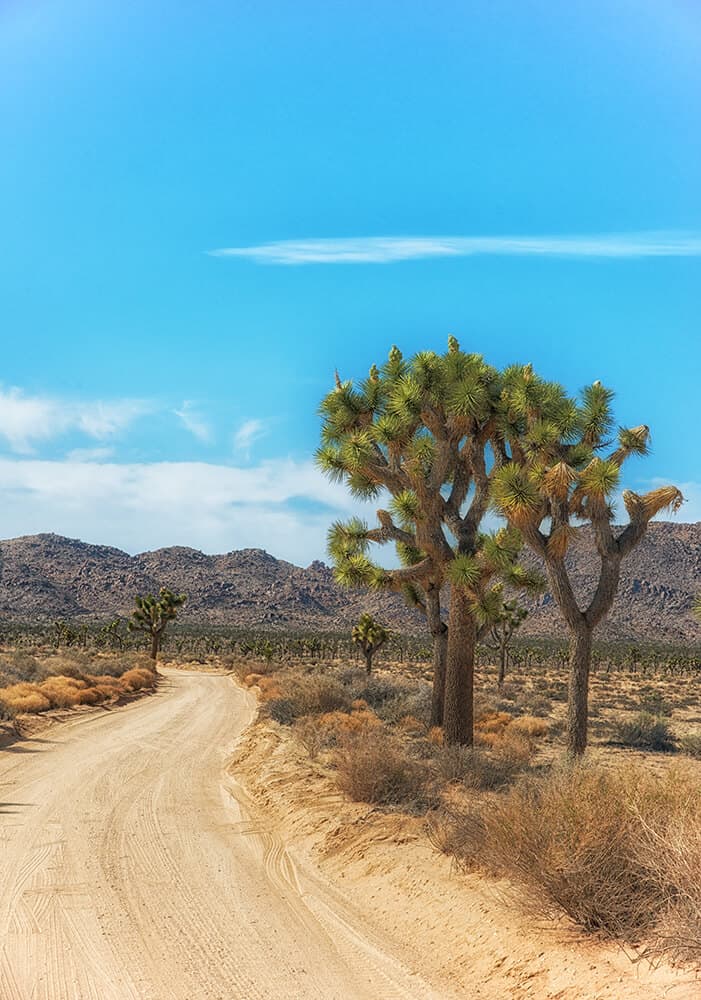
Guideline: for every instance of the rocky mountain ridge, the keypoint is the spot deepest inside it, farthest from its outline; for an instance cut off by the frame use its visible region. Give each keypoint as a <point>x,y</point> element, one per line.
<point>48,576</point>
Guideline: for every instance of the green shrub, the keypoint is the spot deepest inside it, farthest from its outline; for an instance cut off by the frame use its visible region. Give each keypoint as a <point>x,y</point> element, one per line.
<point>691,744</point>
<point>281,710</point>
<point>645,732</point>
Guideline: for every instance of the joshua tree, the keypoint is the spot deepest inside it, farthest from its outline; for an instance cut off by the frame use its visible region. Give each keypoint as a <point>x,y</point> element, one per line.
<point>153,614</point>
<point>509,618</point>
<point>370,636</point>
<point>111,633</point>
<point>420,431</point>
<point>559,470</point>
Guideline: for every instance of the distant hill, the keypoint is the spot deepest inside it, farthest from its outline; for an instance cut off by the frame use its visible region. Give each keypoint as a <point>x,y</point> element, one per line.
<point>48,576</point>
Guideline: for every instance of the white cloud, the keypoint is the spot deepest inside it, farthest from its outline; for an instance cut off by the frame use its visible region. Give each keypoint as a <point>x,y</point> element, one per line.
<point>248,433</point>
<point>28,420</point>
<point>387,249</point>
<point>193,422</point>
<point>283,506</point>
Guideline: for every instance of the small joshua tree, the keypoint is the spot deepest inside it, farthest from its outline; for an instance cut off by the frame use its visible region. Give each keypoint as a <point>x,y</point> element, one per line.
<point>153,614</point>
<point>509,618</point>
<point>558,471</point>
<point>370,636</point>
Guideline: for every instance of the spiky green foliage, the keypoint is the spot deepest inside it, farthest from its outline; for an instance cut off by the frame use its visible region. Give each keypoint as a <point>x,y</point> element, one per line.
<point>370,635</point>
<point>153,614</point>
<point>426,431</point>
<point>559,470</point>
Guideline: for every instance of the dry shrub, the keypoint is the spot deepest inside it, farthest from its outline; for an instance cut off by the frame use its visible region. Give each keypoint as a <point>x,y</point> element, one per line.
<point>691,744</point>
<point>376,768</point>
<point>18,666</point>
<point>411,726</point>
<point>530,726</point>
<point>619,851</point>
<point>138,678</point>
<point>306,694</point>
<point>250,680</point>
<point>435,736</point>
<point>62,692</point>
<point>311,735</point>
<point>479,769</point>
<point>493,722</point>
<point>7,712</point>
<point>25,698</point>
<point>269,687</point>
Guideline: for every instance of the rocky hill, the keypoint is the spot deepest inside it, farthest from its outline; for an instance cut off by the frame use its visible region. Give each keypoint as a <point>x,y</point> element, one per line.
<point>48,576</point>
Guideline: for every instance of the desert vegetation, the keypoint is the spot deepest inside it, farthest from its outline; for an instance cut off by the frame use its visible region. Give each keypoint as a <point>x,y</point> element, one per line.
<point>611,843</point>
<point>446,436</point>
<point>36,681</point>
<point>153,615</point>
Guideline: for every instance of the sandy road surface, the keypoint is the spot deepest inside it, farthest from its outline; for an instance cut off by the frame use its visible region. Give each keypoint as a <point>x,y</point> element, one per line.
<point>129,870</point>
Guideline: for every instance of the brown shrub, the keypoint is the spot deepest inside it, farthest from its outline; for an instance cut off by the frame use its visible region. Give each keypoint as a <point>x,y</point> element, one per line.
<point>493,722</point>
<point>618,851</point>
<point>478,769</point>
<point>62,692</point>
<point>306,694</point>
<point>138,679</point>
<point>24,698</point>
<point>530,726</point>
<point>375,768</point>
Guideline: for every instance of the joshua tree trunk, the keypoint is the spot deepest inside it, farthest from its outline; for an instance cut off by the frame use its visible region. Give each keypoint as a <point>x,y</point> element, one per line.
<point>578,696</point>
<point>155,645</point>
<point>440,653</point>
<point>503,656</point>
<point>367,653</point>
<point>439,635</point>
<point>460,668</point>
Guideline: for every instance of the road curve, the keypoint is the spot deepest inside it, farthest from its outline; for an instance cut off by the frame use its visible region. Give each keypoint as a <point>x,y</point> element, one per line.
<point>129,869</point>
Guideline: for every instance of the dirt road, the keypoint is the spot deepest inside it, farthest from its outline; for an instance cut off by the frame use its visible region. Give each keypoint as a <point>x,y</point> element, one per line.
<point>129,870</point>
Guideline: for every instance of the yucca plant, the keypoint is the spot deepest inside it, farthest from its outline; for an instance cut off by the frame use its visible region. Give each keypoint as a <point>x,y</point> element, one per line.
<point>153,614</point>
<point>420,431</point>
<point>559,470</point>
<point>370,636</point>
<point>508,620</point>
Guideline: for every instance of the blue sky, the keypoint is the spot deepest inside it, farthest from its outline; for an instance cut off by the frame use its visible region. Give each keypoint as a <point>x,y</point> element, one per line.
<point>531,170</point>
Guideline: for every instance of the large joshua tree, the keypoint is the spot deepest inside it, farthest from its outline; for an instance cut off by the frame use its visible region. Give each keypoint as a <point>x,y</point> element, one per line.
<point>425,431</point>
<point>559,470</point>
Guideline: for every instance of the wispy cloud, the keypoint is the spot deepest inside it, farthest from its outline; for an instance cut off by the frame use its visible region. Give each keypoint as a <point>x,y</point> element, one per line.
<point>27,420</point>
<point>248,433</point>
<point>388,249</point>
<point>193,421</point>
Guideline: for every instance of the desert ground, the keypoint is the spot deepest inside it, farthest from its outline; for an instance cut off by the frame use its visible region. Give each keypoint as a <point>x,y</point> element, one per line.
<point>167,850</point>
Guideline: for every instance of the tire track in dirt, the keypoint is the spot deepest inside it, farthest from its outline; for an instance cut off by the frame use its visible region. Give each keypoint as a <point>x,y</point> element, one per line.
<point>133,868</point>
